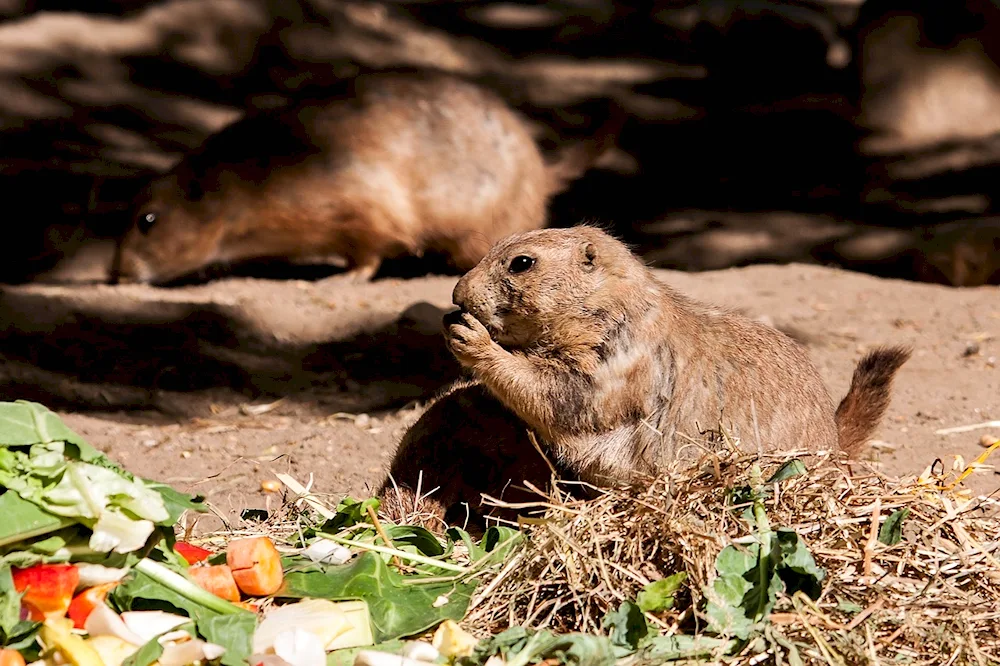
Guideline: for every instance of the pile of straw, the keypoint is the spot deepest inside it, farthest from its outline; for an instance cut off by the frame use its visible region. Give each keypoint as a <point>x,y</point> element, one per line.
<point>932,598</point>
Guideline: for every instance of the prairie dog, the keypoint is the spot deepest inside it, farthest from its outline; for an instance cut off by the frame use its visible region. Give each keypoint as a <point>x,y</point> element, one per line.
<point>620,375</point>
<point>410,163</point>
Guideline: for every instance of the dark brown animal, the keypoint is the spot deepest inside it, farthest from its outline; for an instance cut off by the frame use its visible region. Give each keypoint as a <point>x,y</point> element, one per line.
<point>408,164</point>
<point>620,375</point>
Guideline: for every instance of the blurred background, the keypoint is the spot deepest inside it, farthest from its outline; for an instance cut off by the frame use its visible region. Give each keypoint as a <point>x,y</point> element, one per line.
<point>857,134</point>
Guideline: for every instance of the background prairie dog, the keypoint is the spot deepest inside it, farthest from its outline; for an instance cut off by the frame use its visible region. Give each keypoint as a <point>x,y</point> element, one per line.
<point>410,163</point>
<point>619,374</point>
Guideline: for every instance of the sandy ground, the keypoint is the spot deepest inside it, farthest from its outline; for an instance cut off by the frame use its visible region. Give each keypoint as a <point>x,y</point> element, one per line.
<point>213,388</point>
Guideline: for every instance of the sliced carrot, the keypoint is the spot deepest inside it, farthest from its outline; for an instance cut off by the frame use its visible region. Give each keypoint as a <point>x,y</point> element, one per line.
<point>84,603</point>
<point>256,565</point>
<point>218,580</point>
<point>193,554</point>
<point>11,658</point>
<point>48,589</point>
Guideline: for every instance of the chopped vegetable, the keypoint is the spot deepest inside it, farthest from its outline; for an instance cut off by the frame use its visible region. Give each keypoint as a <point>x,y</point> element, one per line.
<point>147,625</point>
<point>47,588</point>
<point>453,641</point>
<point>105,622</point>
<point>11,658</point>
<point>342,624</point>
<point>182,652</point>
<point>56,634</point>
<point>191,553</point>
<point>299,648</point>
<point>111,649</point>
<point>84,603</point>
<point>256,565</point>
<point>218,580</point>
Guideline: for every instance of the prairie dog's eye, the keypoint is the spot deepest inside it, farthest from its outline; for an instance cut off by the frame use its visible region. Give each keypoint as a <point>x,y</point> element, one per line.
<point>520,263</point>
<point>146,222</point>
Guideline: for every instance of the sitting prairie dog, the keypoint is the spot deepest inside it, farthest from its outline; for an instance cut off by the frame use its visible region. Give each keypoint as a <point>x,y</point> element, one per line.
<point>410,163</point>
<point>620,375</point>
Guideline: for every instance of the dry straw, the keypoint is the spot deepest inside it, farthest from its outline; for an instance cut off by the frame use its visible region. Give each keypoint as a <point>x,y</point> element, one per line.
<point>932,598</point>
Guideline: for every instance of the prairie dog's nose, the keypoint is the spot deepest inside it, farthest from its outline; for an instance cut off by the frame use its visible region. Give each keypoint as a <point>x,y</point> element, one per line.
<point>461,293</point>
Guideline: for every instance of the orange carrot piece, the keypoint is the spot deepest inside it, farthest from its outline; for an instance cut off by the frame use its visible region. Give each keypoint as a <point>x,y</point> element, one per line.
<point>11,658</point>
<point>193,554</point>
<point>216,579</point>
<point>256,565</point>
<point>84,603</point>
<point>48,589</point>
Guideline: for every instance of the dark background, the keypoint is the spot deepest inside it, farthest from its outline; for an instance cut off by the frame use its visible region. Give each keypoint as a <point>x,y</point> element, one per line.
<point>854,134</point>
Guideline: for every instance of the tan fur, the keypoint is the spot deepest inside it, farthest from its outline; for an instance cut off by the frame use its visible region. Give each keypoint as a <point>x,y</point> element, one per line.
<point>620,374</point>
<point>410,163</point>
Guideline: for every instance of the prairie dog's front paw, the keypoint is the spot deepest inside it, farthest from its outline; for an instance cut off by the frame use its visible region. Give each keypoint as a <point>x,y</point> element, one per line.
<point>467,338</point>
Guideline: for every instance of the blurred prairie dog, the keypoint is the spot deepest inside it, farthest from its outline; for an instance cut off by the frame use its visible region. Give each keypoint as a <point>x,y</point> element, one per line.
<point>618,373</point>
<point>409,164</point>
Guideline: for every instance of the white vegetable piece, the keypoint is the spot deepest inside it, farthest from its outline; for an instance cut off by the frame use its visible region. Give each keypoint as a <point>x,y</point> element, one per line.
<point>92,575</point>
<point>184,653</point>
<point>300,648</point>
<point>337,625</point>
<point>326,551</point>
<point>147,625</point>
<point>421,651</point>
<point>103,621</point>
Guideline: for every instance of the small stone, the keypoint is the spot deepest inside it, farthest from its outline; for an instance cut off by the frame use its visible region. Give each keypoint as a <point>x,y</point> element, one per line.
<point>270,486</point>
<point>971,349</point>
<point>986,441</point>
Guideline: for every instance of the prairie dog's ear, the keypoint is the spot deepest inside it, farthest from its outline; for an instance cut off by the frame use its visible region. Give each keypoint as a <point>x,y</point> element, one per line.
<point>589,253</point>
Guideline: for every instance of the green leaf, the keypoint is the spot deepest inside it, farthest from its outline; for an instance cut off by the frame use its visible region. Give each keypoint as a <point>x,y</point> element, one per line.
<point>787,471</point>
<point>24,520</point>
<point>24,423</point>
<point>398,607</point>
<point>418,537</point>
<point>176,502</point>
<point>891,532</point>
<point>231,631</point>
<point>798,569</point>
<point>15,633</point>
<point>145,655</point>
<point>346,656</point>
<point>679,646</point>
<point>350,512</point>
<point>520,647</point>
<point>626,627</point>
<point>659,595</point>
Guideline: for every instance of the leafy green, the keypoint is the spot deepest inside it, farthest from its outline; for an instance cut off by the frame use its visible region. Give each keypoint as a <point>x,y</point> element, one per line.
<point>626,627</point>
<point>145,655</point>
<point>749,579</point>
<point>679,646</point>
<point>891,532</point>
<point>15,633</point>
<point>54,478</point>
<point>399,606</point>
<point>350,512</point>
<point>659,595</point>
<point>232,631</point>
<point>519,647</point>
<point>346,656</point>
<point>496,545</point>
<point>791,468</point>
<point>24,520</point>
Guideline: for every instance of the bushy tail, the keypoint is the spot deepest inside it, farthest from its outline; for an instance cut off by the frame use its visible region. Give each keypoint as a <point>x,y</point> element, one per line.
<point>863,407</point>
<point>574,160</point>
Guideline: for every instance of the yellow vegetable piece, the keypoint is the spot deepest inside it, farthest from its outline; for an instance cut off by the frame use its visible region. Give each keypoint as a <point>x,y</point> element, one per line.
<point>111,649</point>
<point>453,641</point>
<point>56,634</point>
